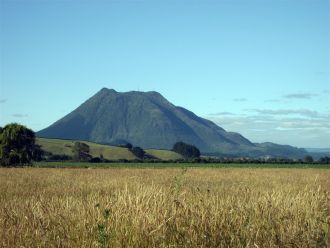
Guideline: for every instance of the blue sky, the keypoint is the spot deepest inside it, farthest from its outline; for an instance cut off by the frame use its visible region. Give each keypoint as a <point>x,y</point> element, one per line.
<point>258,67</point>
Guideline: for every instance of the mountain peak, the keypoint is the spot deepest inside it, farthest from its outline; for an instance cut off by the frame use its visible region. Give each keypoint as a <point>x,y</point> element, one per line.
<point>107,90</point>
<point>105,93</point>
<point>152,93</point>
<point>145,119</point>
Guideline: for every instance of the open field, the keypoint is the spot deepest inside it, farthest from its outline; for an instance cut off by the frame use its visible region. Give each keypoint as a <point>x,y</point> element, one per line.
<point>68,164</point>
<point>169,207</point>
<point>64,147</point>
<point>164,154</point>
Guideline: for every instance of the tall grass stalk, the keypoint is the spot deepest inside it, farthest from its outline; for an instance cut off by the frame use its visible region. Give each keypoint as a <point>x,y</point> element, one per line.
<point>167,207</point>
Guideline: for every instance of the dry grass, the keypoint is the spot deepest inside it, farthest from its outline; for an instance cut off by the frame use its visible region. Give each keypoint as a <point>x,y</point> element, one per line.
<point>164,208</point>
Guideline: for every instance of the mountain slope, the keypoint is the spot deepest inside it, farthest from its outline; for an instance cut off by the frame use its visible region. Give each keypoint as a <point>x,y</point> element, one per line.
<point>144,119</point>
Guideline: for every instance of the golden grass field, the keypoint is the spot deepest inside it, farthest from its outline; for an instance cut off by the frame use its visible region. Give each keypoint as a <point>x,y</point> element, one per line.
<point>200,207</point>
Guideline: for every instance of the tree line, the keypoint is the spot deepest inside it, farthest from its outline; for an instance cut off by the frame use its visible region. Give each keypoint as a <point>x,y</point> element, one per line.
<point>18,147</point>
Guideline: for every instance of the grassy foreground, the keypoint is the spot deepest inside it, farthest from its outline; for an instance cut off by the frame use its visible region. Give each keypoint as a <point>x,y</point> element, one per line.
<point>169,207</point>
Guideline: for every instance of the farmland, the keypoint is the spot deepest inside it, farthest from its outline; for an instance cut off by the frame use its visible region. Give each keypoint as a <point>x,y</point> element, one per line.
<point>165,207</point>
<point>64,147</point>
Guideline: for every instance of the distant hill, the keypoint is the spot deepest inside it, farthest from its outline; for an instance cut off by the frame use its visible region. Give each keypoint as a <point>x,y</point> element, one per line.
<point>64,147</point>
<point>148,120</point>
<point>318,150</point>
<point>317,153</point>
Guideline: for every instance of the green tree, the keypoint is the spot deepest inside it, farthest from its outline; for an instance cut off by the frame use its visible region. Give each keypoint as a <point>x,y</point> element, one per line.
<point>138,152</point>
<point>186,150</point>
<point>17,145</point>
<point>324,160</point>
<point>81,151</point>
<point>308,159</point>
<point>129,146</point>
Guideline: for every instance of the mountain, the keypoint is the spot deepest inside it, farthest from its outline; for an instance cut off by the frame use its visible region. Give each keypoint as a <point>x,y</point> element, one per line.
<point>148,120</point>
<point>318,150</point>
<point>317,153</point>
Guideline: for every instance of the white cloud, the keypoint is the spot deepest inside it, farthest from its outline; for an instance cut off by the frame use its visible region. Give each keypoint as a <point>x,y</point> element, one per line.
<point>222,113</point>
<point>19,115</point>
<point>302,128</point>
<point>300,96</point>
<point>301,112</point>
<point>239,99</point>
<point>272,100</point>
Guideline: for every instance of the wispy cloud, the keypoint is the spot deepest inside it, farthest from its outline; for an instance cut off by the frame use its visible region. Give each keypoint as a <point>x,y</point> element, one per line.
<point>320,73</point>
<point>239,99</point>
<point>19,115</point>
<point>3,100</point>
<point>221,113</point>
<point>272,100</point>
<point>302,112</point>
<point>300,96</point>
<point>294,127</point>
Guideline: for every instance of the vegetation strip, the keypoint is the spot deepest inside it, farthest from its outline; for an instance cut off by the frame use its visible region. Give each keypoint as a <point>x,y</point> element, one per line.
<point>175,165</point>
